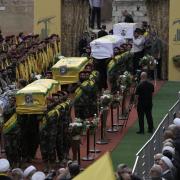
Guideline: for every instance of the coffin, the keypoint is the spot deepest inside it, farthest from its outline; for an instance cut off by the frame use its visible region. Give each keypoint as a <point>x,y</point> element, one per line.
<point>66,71</point>
<point>125,30</point>
<point>102,48</point>
<point>32,98</point>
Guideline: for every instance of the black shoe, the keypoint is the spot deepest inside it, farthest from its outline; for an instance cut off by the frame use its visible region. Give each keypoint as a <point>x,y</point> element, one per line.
<point>150,131</point>
<point>140,132</point>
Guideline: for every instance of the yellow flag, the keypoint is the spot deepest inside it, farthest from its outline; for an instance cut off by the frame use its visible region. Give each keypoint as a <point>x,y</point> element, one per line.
<point>100,169</point>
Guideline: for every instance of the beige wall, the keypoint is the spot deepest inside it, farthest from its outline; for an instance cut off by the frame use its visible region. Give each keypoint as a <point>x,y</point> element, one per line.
<point>17,16</point>
<point>174,45</point>
<point>107,10</point>
<point>47,9</point>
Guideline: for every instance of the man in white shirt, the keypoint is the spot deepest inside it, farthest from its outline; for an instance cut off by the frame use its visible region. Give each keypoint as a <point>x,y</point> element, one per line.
<point>137,48</point>
<point>96,12</point>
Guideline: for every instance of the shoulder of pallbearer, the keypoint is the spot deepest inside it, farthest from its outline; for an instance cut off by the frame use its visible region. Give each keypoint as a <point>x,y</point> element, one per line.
<point>53,35</point>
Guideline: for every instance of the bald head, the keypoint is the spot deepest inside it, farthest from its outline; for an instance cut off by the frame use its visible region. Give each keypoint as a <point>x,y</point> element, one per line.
<point>168,134</point>
<point>155,171</point>
<point>157,158</point>
<point>143,76</point>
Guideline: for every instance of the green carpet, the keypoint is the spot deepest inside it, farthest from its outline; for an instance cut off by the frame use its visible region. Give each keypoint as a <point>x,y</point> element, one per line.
<point>126,150</point>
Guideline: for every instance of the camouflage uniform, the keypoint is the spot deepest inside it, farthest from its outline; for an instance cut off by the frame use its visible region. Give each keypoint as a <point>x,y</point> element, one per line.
<point>63,137</point>
<point>59,138</point>
<point>48,134</point>
<point>86,104</point>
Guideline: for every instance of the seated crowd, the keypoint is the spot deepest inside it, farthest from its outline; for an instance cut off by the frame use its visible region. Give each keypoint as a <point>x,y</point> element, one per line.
<point>67,172</point>
<point>166,163</point>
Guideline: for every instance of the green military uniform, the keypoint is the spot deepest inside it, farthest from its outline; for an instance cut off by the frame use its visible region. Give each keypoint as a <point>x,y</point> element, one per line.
<point>63,138</point>
<point>86,97</point>
<point>48,134</point>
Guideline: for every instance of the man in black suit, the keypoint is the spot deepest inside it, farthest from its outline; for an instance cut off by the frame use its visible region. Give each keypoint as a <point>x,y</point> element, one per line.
<point>127,17</point>
<point>144,93</point>
<point>102,32</point>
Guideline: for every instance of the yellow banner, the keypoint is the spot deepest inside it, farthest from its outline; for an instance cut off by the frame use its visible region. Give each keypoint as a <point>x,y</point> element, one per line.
<point>47,17</point>
<point>174,39</point>
<point>100,169</point>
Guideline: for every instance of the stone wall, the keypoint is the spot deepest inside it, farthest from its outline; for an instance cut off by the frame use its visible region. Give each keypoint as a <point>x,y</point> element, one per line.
<point>136,8</point>
<point>16,16</point>
<point>107,10</point>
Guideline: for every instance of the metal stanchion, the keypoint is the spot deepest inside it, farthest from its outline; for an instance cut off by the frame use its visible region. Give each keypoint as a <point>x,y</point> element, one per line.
<point>79,155</point>
<point>102,138</point>
<point>112,129</point>
<point>123,103</point>
<point>87,157</point>
<point>94,150</point>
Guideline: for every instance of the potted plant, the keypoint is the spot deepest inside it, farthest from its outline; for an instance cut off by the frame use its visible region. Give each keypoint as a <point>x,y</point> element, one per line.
<point>176,60</point>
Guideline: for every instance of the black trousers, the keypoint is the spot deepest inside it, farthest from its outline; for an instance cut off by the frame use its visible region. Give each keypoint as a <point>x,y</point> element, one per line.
<point>136,59</point>
<point>148,112</point>
<point>101,66</point>
<point>96,12</point>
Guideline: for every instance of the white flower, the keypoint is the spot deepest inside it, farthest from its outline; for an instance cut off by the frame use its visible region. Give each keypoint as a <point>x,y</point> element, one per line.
<point>126,73</point>
<point>79,124</point>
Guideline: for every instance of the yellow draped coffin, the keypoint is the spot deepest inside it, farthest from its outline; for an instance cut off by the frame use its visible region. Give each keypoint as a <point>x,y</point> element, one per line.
<point>66,70</point>
<point>32,98</point>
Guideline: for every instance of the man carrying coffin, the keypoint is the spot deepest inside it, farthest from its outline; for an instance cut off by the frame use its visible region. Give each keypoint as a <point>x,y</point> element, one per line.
<point>137,48</point>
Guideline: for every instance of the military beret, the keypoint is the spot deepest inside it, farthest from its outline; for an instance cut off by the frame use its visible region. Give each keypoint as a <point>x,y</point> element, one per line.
<point>48,72</point>
<point>53,35</point>
<point>55,94</point>
<point>36,36</point>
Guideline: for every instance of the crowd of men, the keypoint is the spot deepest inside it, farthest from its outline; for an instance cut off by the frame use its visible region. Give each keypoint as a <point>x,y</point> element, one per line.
<point>166,163</point>
<point>67,172</point>
<point>25,56</point>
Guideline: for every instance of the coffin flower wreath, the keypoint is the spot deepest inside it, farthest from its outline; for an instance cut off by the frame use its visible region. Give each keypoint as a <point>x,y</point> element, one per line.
<point>92,125</point>
<point>105,99</point>
<point>125,80</point>
<point>148,62</point>
<point>76,127</point>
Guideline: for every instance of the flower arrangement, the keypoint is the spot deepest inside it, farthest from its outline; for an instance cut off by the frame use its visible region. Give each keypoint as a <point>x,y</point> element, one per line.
<point>117,98</point>
<point>148,62</point>
<point>93,124</point>
<point>105,99</point>
<point>176,60</point>
<point>125,80</point>
<point>76,127</point>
